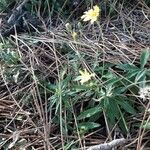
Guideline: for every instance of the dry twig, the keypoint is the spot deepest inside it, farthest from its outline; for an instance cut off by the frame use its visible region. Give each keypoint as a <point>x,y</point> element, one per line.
<point>108,146</point>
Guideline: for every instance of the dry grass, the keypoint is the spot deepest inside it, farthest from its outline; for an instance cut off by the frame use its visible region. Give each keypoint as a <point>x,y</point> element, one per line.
<point>25,114</point>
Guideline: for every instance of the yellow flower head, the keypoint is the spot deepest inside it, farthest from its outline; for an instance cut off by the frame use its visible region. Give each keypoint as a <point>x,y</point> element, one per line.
<point>91,15</point>
<point>74,35</point>
<point>85,76</point>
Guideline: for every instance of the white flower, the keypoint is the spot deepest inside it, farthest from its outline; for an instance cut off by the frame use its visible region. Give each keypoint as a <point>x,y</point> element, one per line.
<point>145,92</point>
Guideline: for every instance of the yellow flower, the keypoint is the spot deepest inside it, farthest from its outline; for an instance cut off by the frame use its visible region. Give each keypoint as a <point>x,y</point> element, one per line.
<point>74,35</point>
<point>85,76</point>
<point>91,15</point>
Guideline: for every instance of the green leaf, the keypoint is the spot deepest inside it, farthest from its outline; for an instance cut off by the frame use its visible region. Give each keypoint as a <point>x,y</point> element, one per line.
<point>105,102</point>
<point>50,86</point>
<point>133,73</point>
<point>127,67</point>
<point>77,78</point>
<point>140,75</point>
<point>119,90</point>
<point>144,58</point>
<point>88,125</point>
<point>66,81</point>
<point>123,124</point>
<point>148,72</point>
<point>112,81</point>
<point>146,125</point>
<point>69,145</point>
<point>112,111</point>
<point>125,105</point>
<point>109,75</point>
<point>88,113</point>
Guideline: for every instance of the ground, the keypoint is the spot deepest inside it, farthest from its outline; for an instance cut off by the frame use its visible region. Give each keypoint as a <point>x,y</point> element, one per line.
<point>46,102</point>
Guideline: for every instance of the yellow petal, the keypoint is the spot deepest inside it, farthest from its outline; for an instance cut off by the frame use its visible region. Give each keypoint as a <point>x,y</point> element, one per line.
<point>81,72</point>
<point>93,20</point>
<point>86,19</point>
<point>96,9</point>
<point>74,35</point>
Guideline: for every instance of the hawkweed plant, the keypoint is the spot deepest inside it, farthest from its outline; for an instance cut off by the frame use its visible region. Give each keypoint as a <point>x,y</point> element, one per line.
<point>92,15</point>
